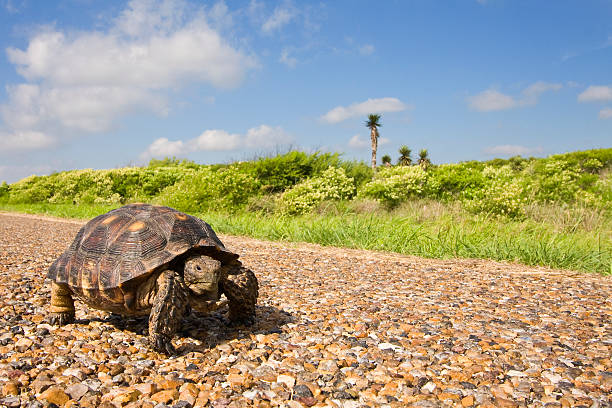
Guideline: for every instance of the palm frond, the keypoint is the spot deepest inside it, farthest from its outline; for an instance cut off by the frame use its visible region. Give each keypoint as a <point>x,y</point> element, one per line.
<point>373,121</point>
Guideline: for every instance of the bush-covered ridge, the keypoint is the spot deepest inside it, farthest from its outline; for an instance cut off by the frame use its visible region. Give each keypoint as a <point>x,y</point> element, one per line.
<point>297,182</point>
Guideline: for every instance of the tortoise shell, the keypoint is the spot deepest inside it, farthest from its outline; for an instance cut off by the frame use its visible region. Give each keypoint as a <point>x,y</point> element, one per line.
<point>130,243</point>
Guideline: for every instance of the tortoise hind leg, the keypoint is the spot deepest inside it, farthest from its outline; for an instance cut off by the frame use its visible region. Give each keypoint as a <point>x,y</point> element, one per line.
<point>62,304</point>
<point>241,289</point>
<point>169,306</point>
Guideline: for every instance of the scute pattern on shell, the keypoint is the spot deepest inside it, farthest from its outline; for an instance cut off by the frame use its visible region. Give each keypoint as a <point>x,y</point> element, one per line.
<point>130,242</point>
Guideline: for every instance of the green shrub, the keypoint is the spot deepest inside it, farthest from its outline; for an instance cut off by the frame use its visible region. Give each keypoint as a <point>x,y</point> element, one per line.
<point>278,173</point>
<point>449,181</point>
<point>33,189</point>
<point>205,189</point>
<point>392,185</point>
<point>600,194</point>
<point>498,186</point>
<point>173,162</point>
<point>592,166</point>
<point>333,184</point>
<point>504,193</point>
<point>358,171</point>
<point>82,186</point>
<point>4,191</point>
<point>556,181</point>
<point>604,156</point>
<point>517,163</point>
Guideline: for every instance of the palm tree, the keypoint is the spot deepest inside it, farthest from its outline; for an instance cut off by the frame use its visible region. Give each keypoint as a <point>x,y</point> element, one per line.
<point>404,159</point>
<point>373,123</point>
<point>386,160</point>
<point>424,161</point>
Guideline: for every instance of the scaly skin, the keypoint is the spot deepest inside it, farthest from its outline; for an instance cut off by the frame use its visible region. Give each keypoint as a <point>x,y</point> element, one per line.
<point>62,304</point>
<point>169,306</point>
<point>241,289</point>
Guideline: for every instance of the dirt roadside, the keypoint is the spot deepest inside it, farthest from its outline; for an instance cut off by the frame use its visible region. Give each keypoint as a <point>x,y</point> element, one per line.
<point>335,327</point>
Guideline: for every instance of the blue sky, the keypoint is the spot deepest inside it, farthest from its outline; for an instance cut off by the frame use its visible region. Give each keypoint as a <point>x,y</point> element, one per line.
<point>104,84</point>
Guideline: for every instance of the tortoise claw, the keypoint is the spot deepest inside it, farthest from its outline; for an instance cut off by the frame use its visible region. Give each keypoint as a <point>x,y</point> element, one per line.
<point>243,320</point>
<point>61,319</point>
<point>162,344</point>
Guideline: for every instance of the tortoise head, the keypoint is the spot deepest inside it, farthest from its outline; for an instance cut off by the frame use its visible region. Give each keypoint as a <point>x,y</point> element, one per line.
<point>202,275</point>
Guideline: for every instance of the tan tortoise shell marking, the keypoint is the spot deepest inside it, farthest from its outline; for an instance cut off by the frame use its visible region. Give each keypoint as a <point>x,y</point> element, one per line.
<point>128,244</point>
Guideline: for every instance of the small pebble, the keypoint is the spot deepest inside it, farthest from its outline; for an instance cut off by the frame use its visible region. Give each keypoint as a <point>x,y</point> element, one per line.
<point>334,327</point>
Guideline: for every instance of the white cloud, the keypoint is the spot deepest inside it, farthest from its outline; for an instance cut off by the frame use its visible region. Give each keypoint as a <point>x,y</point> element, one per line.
<point>380,105</point>
<point>147,48</point>
<point>214,140</point>
<point>265,136</point>
<point>512,150</point>
<point>79,108</point>
<point>288,60</point>
<point>220,16</point>
<point>596,94</point>
<point>11,7</point>
<point>605,113</point>
<point>532,93</point>
<point>366,49</point>
<point>493,100</point>
<point>163,147</point>
<point>359,142</point>
<point>25,140</point>
<point>281,16</point>
<point>262,136</point>
<point>84,81</point>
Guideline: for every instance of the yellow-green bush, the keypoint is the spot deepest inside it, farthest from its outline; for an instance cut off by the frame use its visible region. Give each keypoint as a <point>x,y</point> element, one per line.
<point>95,186</point>
<point>498,186</point>
<point>333,184</point>
<point>227,189</point>
<point>393,185</point>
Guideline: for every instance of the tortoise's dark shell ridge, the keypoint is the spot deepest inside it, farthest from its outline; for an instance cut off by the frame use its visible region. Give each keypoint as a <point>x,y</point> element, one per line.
<point>130,242</point>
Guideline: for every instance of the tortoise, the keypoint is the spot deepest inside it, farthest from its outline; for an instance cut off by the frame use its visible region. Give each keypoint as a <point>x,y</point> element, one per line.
<point>145,259</point>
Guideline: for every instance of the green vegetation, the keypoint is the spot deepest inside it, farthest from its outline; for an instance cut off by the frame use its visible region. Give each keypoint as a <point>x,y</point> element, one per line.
<point>554,211</point>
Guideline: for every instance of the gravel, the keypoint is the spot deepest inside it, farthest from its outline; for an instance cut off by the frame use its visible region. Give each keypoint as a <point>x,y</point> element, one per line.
<point>334,327</point>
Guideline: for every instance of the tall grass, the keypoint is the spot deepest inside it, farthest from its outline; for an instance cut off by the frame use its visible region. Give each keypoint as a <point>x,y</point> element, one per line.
<point>420,227</point>
<point>447,236</point>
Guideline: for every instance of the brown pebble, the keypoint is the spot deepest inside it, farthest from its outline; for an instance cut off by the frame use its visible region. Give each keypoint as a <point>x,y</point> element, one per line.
<point>11,388</point>
<point>165,396</point>
<point>23,344</point>
<point>54,395</point>
<point>146,389</point>
<point>505,403</point>
<point>126,397</point>
<point>77,390</point>
<point>467,401</point>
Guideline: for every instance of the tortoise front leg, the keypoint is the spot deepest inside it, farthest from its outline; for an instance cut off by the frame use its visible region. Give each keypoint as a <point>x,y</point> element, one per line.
<point>241,289</point>
<point>169,305</point>
<point>62,304</point>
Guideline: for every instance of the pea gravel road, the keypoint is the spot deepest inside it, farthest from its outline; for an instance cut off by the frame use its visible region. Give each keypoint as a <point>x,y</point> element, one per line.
<point>335,327</point>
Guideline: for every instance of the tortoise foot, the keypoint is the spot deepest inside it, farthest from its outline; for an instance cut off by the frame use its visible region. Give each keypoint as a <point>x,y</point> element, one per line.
<point>241,320</point>
<point>61,319</point>
<point>162,344</point>
<point>241,290</point>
